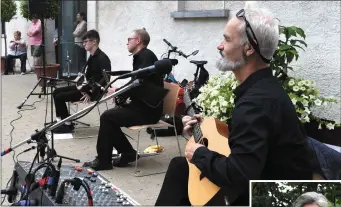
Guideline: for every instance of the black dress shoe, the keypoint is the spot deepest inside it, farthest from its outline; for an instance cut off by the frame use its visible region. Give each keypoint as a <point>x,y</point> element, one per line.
<point>64,129</point>
<point>124,159</point>
<point>93,162</point>
<point>97,165</point>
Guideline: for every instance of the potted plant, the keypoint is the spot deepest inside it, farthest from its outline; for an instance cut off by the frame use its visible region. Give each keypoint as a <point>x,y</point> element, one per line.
<point>51,12</point>
<point>8,10</point>
<point>216,98</point>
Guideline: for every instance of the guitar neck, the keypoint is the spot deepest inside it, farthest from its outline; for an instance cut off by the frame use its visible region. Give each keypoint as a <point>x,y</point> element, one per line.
<point>196,131</point>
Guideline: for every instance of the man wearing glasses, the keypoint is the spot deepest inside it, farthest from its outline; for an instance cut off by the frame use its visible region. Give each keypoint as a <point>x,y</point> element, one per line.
<point>266,139</point>
<point>97,62</point>
<point>145,108</point>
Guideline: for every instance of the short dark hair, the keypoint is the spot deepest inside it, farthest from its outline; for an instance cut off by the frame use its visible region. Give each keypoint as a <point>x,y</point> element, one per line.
<point>143,34</point>
<point>91,34</point>
<point>82,14</point>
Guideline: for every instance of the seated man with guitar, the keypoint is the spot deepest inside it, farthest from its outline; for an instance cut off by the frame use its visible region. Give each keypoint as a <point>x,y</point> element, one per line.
<point>146,107</point>
<point>90,78</point>
<point>266,140</point>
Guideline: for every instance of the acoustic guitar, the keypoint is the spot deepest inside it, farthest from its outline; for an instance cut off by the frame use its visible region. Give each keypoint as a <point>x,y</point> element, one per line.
<point>213,134</point>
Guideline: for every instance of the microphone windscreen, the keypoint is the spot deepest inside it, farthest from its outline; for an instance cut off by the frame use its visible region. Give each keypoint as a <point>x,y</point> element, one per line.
<point>163,66</point>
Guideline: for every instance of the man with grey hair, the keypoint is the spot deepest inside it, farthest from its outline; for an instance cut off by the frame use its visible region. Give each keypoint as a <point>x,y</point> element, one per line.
<point>266,139</point>
<point>311,199</point>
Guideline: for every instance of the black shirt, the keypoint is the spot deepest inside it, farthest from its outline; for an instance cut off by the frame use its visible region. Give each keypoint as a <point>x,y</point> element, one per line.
<point>145,58</point>
<point>266,139</point>
<point>97,62</point>
<point>151,85</point>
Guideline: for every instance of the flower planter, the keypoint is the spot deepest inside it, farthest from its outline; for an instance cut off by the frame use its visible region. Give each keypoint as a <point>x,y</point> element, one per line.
<point>324,135</point>
<point>51,70</point>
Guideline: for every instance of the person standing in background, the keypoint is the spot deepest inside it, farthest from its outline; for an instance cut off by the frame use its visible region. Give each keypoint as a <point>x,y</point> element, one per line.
<point>35,40</point>
<point>79,52</point>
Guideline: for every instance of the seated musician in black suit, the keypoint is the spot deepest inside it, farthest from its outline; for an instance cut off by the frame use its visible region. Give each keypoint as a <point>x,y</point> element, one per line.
<point>266,139</point>
<point>97,62</point>
<point>139,111</point>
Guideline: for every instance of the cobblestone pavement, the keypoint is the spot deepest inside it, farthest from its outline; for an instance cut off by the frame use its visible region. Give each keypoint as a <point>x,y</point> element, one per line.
<point>16,87</point>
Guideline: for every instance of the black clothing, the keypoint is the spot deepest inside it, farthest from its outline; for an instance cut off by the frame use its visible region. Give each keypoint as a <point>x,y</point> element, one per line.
<point>110,134</point>
<point>145,94</point>
<point>137,112</point>
<point>95,65</point>
<point>267,140</point>
<point>9,62</point>
<point>63,95</point>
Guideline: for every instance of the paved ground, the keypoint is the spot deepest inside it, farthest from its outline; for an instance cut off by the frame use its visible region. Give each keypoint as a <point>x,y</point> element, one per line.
<point>16,87</point>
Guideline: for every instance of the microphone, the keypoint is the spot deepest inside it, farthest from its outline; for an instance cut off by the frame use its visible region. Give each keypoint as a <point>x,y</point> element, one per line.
<point>163,66</point>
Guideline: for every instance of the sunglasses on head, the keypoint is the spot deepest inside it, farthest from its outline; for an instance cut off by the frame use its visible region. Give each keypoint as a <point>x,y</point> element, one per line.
<point>252,39</point>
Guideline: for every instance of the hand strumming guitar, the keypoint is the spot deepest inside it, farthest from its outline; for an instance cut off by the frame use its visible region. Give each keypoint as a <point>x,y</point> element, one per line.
<point>188,124</point>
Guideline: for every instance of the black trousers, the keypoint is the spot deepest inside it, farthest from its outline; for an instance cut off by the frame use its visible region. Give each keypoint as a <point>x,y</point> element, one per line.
<point>63,95</point>
<point>10,58</point>
<point>174,191</point>
<point>110,134</point>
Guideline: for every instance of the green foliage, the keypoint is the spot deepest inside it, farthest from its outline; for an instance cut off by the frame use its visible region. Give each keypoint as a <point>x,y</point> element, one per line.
<point>51,12</point>
<point>8,10</point>
<point>287,50</point>
<point>268,194</point>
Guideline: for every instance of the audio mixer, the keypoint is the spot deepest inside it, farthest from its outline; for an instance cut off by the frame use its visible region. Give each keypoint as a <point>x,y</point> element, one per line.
<point>104,193</point>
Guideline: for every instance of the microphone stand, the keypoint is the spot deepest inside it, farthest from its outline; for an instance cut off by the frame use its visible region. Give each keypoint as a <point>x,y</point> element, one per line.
<point>87,109</point>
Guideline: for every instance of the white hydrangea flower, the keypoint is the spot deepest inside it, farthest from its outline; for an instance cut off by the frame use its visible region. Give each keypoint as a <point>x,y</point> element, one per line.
<point>214,92</point>
<point>301,83</point>
<point>307,110</point>
<point>296,88</point>
<point>305,103</point>
<point>303,89</point>
<point>330,126</point>
<point>306,119</point>
<point>231,100</point>
<point>318,102</point>
<point>320,126</point>
<point>294,101</point>
<point>291,82</point>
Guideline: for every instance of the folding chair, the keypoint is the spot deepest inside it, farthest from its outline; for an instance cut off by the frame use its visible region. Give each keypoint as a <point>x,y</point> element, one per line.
<point>169,107</point>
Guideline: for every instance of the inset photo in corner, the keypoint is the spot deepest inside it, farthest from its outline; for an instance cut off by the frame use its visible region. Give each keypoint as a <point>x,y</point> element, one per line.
<point>295,193</point>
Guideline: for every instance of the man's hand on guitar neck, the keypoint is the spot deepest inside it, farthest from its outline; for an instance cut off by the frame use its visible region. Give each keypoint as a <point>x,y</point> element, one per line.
<point>189,121</point>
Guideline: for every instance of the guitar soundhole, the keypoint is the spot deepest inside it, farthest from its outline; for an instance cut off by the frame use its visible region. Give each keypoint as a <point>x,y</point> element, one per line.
<point>204,141</point>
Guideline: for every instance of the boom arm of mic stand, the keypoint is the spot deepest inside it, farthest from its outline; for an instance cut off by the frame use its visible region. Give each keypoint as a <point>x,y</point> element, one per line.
<point>33,137</point>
